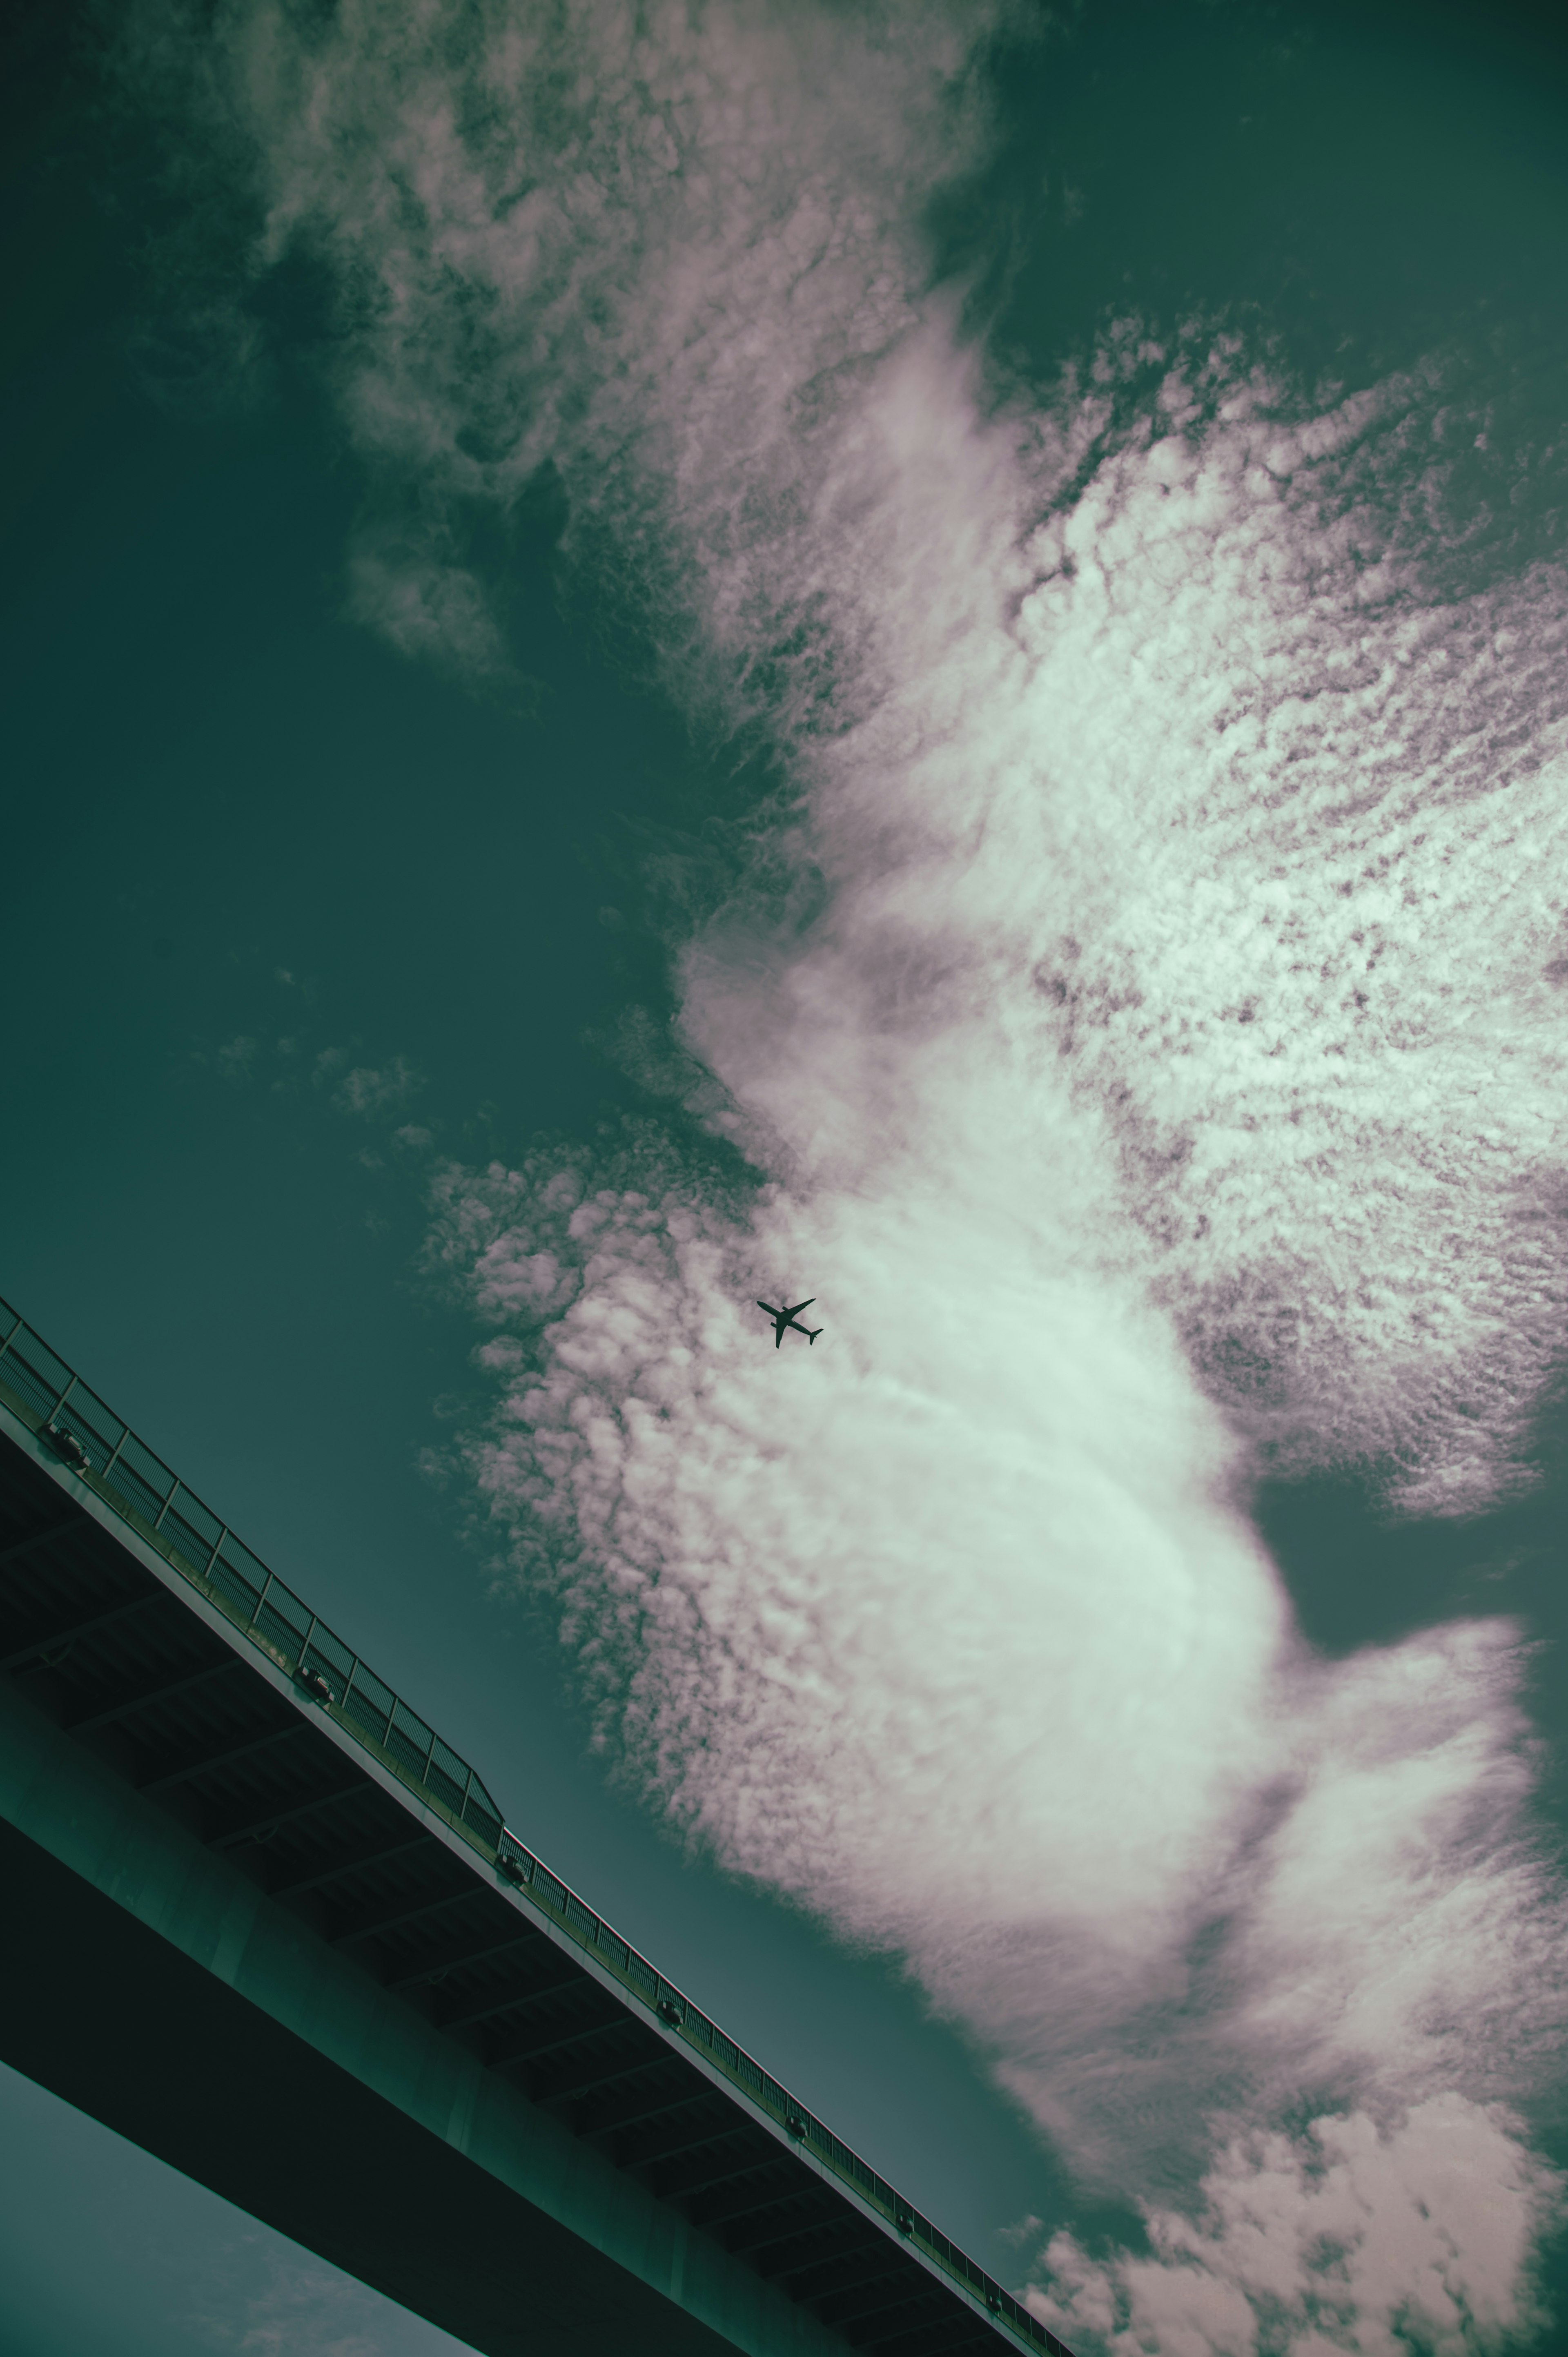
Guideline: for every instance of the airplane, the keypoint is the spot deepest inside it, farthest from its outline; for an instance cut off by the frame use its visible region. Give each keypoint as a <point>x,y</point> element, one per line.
<point>790,1317</point>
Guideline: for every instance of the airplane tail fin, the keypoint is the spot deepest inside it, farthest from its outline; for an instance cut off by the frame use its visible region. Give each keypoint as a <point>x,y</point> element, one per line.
<point>812,1332</point>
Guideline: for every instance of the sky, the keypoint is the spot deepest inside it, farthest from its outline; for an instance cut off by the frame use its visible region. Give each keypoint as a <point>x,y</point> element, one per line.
<point>657,656</point>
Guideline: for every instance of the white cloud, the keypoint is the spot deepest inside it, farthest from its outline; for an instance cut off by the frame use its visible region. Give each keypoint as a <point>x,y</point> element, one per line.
<point>430,610</point>
<point>237,1056</point>
<point>370,1092</point>
<point>1342,2238</point>
<point>1198,792</point>
<point>1147,1019</point>
<point>948,1630</point>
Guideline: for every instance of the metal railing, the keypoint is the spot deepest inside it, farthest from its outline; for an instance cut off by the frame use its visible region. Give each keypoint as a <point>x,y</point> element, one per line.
<point>102,1450</point>
<point>143,1492</point>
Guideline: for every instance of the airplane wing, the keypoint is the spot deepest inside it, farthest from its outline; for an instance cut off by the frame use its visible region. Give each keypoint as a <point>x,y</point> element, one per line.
<point>800,1305</point>
<point>771,1311</point>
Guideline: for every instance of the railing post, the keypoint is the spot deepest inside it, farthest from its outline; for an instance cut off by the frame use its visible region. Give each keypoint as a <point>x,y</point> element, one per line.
<point>61,1401</point>
<point>15,1329</point>
<point>304,1642</point>
<point>114,1452</point>
<point>259,1601</point>
<point>159,1517</point>
<point>217,1545</point>
<point>429,1755</point>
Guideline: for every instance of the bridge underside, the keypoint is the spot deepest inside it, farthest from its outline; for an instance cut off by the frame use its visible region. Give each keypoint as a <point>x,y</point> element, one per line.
<point>233,1936</point>
<point>108,2015</point>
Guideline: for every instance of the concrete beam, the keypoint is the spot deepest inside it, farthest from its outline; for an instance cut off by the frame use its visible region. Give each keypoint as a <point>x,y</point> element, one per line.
<point>150,1983</point>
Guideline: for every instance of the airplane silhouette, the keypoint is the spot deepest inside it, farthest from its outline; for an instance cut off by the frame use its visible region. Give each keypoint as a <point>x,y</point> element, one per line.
<point>790,1317</point>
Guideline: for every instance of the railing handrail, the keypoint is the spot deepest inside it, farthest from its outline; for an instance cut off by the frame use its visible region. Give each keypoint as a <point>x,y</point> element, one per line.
<point>520,1868</point>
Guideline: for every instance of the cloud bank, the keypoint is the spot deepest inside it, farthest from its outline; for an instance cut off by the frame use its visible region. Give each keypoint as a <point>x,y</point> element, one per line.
<point>1338,2239</point>
<point>1143,1008</point>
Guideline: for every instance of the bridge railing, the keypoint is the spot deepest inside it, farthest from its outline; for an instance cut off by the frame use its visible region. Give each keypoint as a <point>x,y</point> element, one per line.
<point>144,1492</point>
<point>102,1449</point>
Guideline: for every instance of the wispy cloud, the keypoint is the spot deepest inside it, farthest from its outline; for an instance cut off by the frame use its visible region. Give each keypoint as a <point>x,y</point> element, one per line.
<point>370,1092</point>
<point>367,1091</point>
<point>436,611</point>
<point>1144,1016</point>
<point>236,1058</point>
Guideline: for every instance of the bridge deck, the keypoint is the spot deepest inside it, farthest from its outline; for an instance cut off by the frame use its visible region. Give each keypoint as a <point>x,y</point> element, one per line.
<point>276,1931</point>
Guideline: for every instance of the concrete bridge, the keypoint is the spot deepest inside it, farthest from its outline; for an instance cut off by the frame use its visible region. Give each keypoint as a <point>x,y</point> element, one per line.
<point>264,1921</point>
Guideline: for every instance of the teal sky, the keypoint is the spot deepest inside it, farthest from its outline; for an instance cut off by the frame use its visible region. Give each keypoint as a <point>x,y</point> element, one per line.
<point>251,849</point>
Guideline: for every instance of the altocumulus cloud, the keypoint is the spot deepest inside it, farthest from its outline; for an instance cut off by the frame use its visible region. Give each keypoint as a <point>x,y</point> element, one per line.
<point>1143,1012</point>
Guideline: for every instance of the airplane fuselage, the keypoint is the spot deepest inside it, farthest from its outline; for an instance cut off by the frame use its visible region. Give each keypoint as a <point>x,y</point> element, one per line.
<point>786,1321</point>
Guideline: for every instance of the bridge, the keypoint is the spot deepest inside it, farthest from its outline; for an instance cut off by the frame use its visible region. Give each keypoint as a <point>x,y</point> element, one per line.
<point>263,1920</point>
